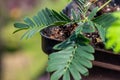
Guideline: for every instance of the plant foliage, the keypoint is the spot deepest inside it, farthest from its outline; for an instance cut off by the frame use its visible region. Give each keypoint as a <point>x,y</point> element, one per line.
<point>113,34</point>
<point>44,18</point>
<point>72,59</point>
<point>75,54</point>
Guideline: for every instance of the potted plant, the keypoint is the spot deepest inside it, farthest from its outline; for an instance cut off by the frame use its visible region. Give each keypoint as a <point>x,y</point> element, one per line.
<point>71,37</point>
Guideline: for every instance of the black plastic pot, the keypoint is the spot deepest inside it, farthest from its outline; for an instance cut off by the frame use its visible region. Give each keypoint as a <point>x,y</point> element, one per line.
<point>103,58</point>
<point>106,64</point>
<point>48,43</point>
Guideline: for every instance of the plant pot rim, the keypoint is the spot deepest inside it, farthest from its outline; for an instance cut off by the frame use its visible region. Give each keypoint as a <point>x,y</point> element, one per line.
<point>106,51</point>
<point>42,34</point>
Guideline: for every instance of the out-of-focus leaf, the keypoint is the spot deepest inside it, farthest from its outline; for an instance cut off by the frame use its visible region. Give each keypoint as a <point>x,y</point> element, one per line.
<point>44,18</point>
<point>113,34</point>
<point>93,13</point>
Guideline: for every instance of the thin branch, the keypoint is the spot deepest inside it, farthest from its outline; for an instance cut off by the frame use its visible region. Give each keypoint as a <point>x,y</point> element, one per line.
<point>104,5</point>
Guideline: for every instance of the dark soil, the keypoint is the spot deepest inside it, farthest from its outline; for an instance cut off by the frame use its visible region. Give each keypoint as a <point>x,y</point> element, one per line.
<point>109,8</point>
<point>60,33</point>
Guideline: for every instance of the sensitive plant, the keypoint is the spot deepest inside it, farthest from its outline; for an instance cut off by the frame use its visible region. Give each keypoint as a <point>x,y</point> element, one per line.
<point>74,55</point>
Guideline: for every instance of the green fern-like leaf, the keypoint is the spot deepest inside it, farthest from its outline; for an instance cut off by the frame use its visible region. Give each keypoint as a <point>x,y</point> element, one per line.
<point>102,32</point>
<point>70,60</point>
<point>88,27</point>
<point>102,23</point>
<point>93,13</point>
<point>74,59</point>
<point>105,20</point>
<point>44,18</point>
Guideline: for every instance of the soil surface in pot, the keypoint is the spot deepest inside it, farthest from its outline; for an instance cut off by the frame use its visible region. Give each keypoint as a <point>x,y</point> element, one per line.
<point>61,33</point>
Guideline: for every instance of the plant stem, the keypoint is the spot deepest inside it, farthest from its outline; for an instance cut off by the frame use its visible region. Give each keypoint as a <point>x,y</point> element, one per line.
<point>104,5</point>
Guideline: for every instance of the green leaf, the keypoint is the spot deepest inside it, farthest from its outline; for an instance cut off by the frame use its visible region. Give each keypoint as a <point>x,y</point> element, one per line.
<point>88,27</point>
<point>78,30</point>
<point>58,16</point>
<point>93,13</point>
<point>66,55</point>
<point>74,15</point>
<point>21,25</point>
<point>72,37</point>
<point>19,30</point>
<point>113,35</point>
<point>66,75</point>
<point>75,73</point>
<point>82,39</point>
<point>81,1</point>
<point>78,17</point>
<point>102,32</point>
<point>105,20</point>
<point>83,61</point>
<point>45,17</point>
<point>56,75</point>
<point>40,17</point>
<point>87,47</point>
<point>84,54</point>
<point>47,14</point>
<point>25,35</point>
<point>83,70</point>
<point>53,68</point>
<point>30,33</point>
<point>57,23</point>
<point>62,55</point>
<point>59,60</point>
<point>65,16</point>
<point>36,20</point>
<point>33,32</point>
<point>29,22</point>
<point>62,45</point>
<point>50,15</point>
<point>73,60</point>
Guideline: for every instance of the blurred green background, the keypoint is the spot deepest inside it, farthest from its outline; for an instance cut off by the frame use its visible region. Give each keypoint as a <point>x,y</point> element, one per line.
<point>22,59</point>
